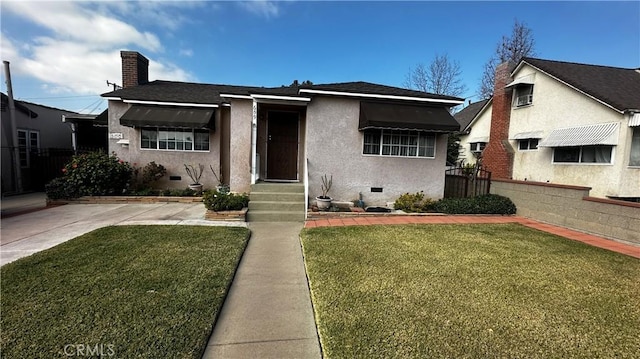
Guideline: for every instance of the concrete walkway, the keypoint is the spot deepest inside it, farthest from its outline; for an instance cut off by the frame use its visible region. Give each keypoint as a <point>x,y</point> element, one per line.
<point>31,232</point>
<point>268,311</point>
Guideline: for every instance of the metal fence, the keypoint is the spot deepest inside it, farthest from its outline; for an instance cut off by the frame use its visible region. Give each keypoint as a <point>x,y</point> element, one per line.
<point>466,181</point>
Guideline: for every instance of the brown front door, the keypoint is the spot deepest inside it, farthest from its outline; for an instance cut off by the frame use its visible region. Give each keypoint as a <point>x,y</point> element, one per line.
<point>282,145</point>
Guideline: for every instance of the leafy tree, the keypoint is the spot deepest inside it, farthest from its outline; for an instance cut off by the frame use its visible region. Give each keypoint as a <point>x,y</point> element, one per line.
<point>513,48</point>
<point>443,77</point>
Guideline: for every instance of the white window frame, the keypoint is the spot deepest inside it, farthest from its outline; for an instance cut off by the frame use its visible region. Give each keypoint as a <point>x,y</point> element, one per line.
<point>528,142</point>
<point>24,151</point>
<point>412,141</point>
<point>580,156</point>
<point>523,95</point>
<point>635,146</point>
<point>174,133</point>
<point>477,147</point>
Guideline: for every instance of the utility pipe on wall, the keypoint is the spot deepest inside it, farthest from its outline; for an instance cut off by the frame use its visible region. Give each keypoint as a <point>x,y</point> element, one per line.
<point>14,131</point>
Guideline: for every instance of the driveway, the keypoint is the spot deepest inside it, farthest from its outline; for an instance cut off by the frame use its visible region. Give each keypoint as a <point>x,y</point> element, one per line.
<point>25,234</point>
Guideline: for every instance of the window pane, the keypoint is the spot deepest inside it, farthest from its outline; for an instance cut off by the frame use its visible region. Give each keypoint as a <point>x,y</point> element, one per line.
<point>523,145</point>
<point>533,144</point>
<point>596,154</point>
<point>427,145</point>
<point>201,140</point>
<point>634,158</point>
<point>34,142</point>
<point>566,154</point>
<point>149,138</point>
<point>371,142</point>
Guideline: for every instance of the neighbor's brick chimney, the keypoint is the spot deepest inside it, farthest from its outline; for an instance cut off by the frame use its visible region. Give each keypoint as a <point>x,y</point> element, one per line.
<point>498,156</point>
<point>135,69</point>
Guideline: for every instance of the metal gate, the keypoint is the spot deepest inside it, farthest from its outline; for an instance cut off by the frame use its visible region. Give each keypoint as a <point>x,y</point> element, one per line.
<point>466,181</point>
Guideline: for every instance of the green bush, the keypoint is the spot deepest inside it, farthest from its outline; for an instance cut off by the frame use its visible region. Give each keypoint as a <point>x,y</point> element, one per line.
<point>91,174</point>
<point>485,204</point>
<point>58,189</point>
<point>217,201</point>
<point>185,192</point>
<point>142,180</point>
<point>413,202</point>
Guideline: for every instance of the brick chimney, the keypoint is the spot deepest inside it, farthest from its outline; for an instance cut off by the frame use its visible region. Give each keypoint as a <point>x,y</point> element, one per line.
<point>498,155</point>
<point>135,69</point>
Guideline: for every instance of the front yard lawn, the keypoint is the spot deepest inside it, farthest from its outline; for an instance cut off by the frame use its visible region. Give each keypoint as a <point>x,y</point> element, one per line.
<point>469,291</point>
<point>124,291</point>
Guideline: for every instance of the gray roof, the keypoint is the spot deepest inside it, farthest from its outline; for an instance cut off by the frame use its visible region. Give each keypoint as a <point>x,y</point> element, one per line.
<point>467,114</point>
<point>615,86</point>
<point>185,92</point>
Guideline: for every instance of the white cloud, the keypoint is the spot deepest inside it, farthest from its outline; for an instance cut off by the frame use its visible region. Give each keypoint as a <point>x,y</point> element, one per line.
<point>78,47</point>
<point>186,52</point>
<point>264,8</point>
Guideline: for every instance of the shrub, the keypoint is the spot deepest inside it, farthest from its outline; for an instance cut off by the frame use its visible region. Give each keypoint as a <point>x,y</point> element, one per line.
<point>91,174</point>
<point>185,192</point>
<point>217,201</point>
<point>485,204</point>
<point>413,202</point>
<point>59,189</point>
<point>143,179</point>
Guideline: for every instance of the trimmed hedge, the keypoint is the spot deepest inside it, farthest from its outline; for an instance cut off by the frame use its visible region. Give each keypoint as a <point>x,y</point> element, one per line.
<point>485,204</point>
<point>219,201</point>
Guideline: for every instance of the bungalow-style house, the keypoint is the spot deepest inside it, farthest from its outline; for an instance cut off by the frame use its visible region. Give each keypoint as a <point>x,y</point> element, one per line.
<point>38,130</point>
<point>564,123</point>
<point>375,140</point>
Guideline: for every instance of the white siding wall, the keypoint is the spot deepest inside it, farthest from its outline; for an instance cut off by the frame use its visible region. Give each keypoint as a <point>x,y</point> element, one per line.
<point>480,128</point>
<point>555,106</point>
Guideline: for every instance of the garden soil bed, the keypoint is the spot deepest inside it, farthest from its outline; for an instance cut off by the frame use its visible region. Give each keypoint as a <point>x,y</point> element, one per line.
<point>124,199</point>
<point>239,216</point>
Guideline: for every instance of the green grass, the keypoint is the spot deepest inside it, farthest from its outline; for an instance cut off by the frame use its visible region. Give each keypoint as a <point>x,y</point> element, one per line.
<point>136,291</point>
<point>469,291</point>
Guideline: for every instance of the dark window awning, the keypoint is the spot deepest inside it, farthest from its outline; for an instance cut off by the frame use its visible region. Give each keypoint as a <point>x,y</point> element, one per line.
<point>375,115</point>
<point>159,116</point>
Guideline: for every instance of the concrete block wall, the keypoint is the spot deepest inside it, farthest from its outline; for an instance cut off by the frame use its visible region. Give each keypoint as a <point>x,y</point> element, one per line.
<point>571,207</point>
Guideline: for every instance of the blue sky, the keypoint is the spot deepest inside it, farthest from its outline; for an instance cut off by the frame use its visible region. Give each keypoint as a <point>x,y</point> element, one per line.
<point>62,53</point>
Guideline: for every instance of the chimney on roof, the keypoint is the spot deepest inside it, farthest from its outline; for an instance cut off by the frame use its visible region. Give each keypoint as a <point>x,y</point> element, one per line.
<point>135,69</point>
<point>498,156</point>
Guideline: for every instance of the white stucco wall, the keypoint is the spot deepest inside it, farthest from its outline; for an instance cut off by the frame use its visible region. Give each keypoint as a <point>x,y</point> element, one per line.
<point>481,127</point>
<point>173,161</point>
<point>334,147</point>
<point>555,106</point>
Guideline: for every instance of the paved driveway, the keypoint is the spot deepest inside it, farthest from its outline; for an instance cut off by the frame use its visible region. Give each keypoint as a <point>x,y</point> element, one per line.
<point>26,234</point>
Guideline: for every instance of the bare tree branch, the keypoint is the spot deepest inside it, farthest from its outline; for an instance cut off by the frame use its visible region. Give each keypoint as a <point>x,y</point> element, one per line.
<point>442,77</point>
<point>520,44</point>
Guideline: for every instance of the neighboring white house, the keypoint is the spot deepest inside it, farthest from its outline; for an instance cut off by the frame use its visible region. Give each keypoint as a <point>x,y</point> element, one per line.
<point>475,125</point>
<point>569,123</point>
<point>375,140</point>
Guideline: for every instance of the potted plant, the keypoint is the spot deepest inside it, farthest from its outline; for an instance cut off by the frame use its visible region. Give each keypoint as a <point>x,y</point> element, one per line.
<point>195,173</point>
<point>221,187</point>
<point>324,202</point>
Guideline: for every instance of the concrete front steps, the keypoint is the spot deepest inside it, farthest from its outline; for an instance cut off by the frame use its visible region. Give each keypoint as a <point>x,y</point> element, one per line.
<point>276,202</point>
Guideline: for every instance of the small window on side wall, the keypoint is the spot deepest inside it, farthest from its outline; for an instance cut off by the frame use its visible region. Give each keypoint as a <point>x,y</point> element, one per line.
<point>477,146</point>
<point>523,95</point>
<point>528,144</point>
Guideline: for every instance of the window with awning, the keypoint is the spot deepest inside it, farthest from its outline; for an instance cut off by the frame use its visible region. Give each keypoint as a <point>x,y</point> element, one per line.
<point>393,116</point>
<point>589,135</point>
<point>169,116</point>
